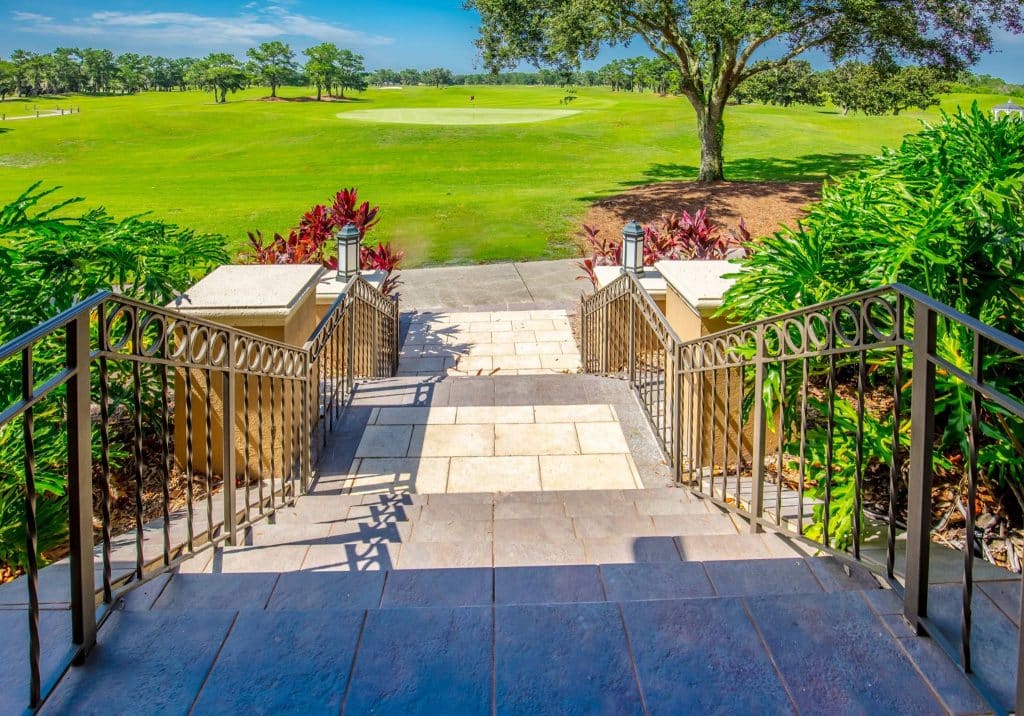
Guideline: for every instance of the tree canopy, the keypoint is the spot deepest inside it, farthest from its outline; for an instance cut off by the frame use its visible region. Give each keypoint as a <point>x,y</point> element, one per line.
<point>272,63</point>
<point>715,45</point>
<point>219,73</point>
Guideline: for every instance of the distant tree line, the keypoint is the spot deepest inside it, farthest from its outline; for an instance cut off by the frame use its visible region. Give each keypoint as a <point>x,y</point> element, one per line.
<point>987,84</point>
<point>272,64</point>
<point>871,89</point>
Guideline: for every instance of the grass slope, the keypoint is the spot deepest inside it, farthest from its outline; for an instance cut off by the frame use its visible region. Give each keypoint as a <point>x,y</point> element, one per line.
<point>450,194</point>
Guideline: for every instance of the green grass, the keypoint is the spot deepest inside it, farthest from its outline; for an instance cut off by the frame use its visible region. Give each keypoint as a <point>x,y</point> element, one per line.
<point>449,194</point>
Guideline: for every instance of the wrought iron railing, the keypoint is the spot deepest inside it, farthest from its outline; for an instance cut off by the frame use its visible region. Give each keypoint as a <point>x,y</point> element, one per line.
<point>202,428</point>
<point>358,337</point>
<point>823,424</point>
<point>623,332</point>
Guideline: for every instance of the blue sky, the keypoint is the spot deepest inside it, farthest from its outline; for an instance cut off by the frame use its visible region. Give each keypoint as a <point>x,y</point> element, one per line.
<point>389,33</point>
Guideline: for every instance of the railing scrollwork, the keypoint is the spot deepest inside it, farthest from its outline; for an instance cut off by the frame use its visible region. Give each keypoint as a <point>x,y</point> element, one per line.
<point>207,428</point>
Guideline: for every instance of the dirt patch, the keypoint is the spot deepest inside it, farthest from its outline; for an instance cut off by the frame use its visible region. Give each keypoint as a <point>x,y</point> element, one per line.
<point>763,205</point>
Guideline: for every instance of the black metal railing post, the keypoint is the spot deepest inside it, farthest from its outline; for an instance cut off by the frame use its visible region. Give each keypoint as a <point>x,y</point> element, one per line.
<point>922,435</point>
<point>351,357</point>
<point>228,461</point>
<point>676,373</point>
<point>584,331</point>
<point>307,420</point>
<point>83,568</point>
<point>760,434</point>
<point>631,355</point>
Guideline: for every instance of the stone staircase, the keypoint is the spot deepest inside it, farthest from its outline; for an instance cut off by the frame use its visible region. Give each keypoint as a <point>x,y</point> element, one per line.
<point>607,601</point>
<point>427,585</point>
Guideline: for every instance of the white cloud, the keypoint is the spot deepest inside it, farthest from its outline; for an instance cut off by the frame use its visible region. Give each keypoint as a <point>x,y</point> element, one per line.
<point>184,30</point>
<point>30,17</point>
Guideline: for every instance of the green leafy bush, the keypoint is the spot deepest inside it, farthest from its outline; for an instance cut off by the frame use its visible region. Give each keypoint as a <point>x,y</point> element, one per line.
<point>51,258</point>
<point>944,214</point>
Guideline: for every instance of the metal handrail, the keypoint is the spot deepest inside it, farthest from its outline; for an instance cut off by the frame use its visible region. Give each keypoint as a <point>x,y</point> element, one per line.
<point>162,361</point>
<point>742,408</point>
<point>624,333</point>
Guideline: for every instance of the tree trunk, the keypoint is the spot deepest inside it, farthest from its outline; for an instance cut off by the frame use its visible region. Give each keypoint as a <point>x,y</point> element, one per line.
<point>711,130</point>
<point>224,95</point>
<point>273,90</point>
<point>319,90</point>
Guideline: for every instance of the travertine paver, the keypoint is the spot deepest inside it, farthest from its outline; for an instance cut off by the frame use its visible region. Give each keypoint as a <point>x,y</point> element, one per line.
<point>488,343</point>
<point>508,473</point>
<point>587,472</point>
<point>482,448</point>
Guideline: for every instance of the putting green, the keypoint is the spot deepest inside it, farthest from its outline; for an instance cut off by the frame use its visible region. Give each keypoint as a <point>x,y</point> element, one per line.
<point>456,115</point>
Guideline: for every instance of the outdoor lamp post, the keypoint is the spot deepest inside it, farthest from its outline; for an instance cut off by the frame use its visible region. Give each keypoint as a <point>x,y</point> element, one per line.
<point>633,248</point>
<point>348,252</point>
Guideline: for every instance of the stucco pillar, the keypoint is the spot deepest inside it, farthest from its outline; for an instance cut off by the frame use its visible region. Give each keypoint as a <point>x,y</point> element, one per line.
<point>276,302</point>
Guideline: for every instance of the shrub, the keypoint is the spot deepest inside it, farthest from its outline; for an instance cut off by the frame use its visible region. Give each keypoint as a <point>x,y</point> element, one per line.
<point>51,258</point>
<point>942,214</point>
<point>311,241</point>
<point>674,237</point>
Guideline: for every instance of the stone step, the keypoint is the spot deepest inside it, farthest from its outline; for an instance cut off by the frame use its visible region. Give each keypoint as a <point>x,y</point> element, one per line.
<point>480,544</point>
<point>482,586</point>
<point>475,655</point>
<point>412,531</point>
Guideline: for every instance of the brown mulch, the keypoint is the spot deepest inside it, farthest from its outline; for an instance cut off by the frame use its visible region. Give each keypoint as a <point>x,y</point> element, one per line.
<point>325,98</point>
<point>762,205</point>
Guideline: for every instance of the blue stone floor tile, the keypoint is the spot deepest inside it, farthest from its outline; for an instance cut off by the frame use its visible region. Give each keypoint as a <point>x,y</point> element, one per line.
<point>548,585</point>
<point>655,580</point>
<point>438,588</point>
<point>563,659</point>
<point>993,637</point>
<point>739,578</point>
<point>283,662</point>
<point>217,591</point>
<point>702,656</point>
<point>837,656</point>
<point>424,661</point>
<point>144,663</point>
<point>327,590</point>
<point>54,638</point>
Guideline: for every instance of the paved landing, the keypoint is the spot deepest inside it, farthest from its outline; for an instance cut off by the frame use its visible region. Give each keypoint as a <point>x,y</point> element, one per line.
<point>489,343</point>
<point>804,637</point>
<point>540,284</point>
<point>493,449</point>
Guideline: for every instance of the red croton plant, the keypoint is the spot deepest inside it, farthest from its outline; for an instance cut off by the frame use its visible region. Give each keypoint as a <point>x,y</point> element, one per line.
<point>675,237</point>
<point>314,237</point>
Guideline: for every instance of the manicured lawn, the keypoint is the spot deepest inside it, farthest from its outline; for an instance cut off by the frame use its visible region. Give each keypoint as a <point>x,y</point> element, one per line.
<point>450,193</point>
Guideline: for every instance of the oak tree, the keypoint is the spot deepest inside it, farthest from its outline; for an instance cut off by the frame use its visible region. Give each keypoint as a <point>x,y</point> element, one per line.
<point>718,44</point>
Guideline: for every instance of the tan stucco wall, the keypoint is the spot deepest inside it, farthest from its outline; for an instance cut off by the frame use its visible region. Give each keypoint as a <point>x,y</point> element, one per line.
<point>295,330</point>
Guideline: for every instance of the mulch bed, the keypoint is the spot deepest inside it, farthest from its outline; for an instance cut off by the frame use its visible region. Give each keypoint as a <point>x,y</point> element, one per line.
<point>764,206</point>
<point>325,98</point>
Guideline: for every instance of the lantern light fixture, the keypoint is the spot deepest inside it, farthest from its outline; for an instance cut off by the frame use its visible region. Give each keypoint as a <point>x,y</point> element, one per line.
<point>349,239</point>
<point>633,248</point>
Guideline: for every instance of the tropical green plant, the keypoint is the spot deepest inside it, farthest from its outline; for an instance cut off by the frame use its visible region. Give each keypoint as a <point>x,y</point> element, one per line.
<point>944,214</point>
<point>51,258</point>
<point>309,243</point>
